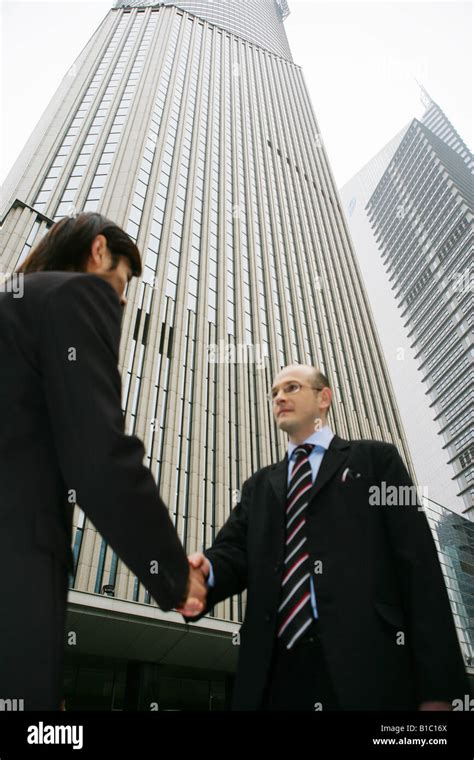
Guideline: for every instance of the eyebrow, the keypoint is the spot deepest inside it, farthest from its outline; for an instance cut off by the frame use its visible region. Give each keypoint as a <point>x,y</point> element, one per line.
<point>292,380</point>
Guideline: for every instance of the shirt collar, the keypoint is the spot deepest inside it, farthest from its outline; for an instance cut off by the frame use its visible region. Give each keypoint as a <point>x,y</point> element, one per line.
<point>321,437</point>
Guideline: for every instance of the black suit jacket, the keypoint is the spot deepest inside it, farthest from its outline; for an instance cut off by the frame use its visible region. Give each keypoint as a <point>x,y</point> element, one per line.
<point>386,622</point>
<point>62,433</point>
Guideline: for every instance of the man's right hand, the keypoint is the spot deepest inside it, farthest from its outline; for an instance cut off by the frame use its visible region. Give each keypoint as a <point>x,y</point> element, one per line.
<point>196,592</point>
<point>200,562</point>
<point>195,597</point>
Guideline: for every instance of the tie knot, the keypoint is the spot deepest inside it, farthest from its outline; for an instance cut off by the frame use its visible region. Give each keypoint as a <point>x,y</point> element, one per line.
<point>304,450</point>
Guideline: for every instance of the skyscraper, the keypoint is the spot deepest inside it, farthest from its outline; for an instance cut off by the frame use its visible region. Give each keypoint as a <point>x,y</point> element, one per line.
<point>422,211</point>
<point>437,419</point>
<point>189,124</point>
<point>408,171</point>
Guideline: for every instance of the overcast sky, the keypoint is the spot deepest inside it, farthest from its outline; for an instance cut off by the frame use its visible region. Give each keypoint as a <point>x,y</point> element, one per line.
<point>360,61</point>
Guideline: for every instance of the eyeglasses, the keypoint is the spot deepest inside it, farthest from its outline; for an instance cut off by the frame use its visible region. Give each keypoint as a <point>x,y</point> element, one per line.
<point>289,389</point>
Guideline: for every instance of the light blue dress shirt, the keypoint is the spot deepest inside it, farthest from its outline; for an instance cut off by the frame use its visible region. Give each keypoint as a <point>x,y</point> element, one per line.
<point>321,440</point>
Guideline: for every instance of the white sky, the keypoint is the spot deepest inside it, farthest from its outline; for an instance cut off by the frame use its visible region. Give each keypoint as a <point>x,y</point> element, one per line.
<point>359,60</point>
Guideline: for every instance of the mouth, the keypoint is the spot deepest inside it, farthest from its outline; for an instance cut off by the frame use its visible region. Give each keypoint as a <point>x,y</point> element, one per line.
<point>283,411</point>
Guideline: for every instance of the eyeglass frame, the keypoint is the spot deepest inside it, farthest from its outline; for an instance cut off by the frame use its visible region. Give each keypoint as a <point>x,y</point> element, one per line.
<point>272,399</point>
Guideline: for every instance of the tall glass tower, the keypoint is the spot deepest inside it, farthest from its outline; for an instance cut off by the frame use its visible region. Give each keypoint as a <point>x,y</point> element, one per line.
<point>422,213</point>
<point>189,124</point>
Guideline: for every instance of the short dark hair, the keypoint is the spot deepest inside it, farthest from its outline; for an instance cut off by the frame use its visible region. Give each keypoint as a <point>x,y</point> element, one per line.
<point>67,246</point>
<point>319,379</point>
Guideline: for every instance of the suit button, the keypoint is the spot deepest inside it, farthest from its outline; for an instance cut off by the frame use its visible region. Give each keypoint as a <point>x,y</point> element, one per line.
<point>268,617</point>
<point>277,567</point>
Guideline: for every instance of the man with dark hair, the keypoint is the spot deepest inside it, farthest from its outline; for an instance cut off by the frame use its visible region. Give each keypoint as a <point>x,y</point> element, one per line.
<point>347,608</point>
<point>68,246</point>
<point>62,433</point>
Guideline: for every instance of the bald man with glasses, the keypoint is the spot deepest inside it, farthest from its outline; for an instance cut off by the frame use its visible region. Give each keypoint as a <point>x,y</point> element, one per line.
<point>347,608</point>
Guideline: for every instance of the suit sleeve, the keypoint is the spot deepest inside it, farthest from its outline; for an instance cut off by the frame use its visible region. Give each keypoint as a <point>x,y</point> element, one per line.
<point>80,333</point>
<point>438,663</point>
<point>228,554</point>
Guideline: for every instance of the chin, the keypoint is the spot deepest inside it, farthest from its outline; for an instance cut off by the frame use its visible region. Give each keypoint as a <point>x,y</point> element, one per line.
<point>283,424</point>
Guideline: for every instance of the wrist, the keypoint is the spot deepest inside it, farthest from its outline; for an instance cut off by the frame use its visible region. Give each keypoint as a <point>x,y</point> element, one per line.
<point>186,593</point>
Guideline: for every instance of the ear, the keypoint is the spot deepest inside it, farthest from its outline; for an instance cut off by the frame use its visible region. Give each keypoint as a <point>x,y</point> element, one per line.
<point>326,396</point>
<point>98,248</point>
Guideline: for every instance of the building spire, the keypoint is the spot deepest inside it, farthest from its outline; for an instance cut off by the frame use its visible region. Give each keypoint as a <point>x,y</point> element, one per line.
<point>425,98</point>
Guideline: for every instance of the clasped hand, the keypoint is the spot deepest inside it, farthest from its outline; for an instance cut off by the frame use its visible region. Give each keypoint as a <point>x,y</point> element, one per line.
<point>197,589</point>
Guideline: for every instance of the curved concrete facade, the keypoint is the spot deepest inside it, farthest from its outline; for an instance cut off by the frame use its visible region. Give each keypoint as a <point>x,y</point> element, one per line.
<point>258,21</point>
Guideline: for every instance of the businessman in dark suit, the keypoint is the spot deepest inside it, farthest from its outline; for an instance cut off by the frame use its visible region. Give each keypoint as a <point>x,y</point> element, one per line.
<point>62,432</point>
<point>347,608</point>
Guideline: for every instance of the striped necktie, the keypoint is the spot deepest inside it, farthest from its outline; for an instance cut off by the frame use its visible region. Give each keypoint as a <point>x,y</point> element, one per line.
<point>294,612</point>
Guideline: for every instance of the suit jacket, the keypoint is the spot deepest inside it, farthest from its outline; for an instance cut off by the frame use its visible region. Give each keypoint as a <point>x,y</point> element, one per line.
<point>62,433</point>
<point>386,623</point>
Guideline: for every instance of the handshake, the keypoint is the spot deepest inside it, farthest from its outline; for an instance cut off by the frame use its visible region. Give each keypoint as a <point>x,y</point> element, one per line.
<point>194,600</point>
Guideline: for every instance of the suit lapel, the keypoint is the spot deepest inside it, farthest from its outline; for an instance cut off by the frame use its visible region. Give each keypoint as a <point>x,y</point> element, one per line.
<point>278,476</point>
<point>333,458</point>
<point>275,507</point>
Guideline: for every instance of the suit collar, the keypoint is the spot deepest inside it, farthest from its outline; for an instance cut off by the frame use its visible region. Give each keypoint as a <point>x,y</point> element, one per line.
<point>321,438</point>
<point>335,456</point>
